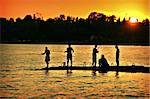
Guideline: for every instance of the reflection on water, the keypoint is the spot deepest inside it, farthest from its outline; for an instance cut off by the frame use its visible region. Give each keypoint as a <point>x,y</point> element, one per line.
<point>18,78</point>
<point>46,72</point>
<point>52,84</point>
<point>117,74</point>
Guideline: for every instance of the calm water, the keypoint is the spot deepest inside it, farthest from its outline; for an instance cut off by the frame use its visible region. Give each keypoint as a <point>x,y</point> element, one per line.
<point>19,79</point>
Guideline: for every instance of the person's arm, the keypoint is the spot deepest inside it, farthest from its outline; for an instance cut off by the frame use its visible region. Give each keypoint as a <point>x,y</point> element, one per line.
<point>43,53</point>
<point>72,50</point>
<point>66,51</point>
<point>97,51</point>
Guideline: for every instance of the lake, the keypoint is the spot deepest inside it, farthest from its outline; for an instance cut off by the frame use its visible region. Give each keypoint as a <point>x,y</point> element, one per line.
<point>19,79</point>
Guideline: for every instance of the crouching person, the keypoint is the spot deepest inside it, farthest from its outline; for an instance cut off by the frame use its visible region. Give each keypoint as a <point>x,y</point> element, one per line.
<point>103,64</point>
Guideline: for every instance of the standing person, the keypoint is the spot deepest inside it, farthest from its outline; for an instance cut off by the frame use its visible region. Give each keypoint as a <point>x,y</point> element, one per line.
<point>95,51</point>
<point>69,54</point>
<point>117,55</point>
<point>47,57</point>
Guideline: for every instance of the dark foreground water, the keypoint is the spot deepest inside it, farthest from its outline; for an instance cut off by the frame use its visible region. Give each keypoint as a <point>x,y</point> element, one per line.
<point>18,79</point>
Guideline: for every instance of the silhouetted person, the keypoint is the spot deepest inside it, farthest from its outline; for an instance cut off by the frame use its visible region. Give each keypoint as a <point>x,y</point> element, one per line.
<point>47,57</point>
<point>69,54</point>
<point>94,56</point>
<point>103,63</point>
<point>117,55</point>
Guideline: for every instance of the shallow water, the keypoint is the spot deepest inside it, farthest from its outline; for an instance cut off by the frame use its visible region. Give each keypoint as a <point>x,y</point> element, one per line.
<point>18,79</point>
<point>29,55</point>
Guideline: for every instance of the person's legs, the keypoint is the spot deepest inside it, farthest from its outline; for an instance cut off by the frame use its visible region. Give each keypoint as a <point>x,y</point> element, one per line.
<point>47,59</point>
<point>71,63</point>
<point>94,61</point>
<point>117,62</point>
<point>71,60</point>
<point>67,64</point>
<point>67,60</point>
<point>47,63</point>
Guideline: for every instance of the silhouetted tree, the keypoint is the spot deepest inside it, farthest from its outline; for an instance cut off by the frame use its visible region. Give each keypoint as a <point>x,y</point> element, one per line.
<point>97,28</point>
<point>18,20</point>
<point>124,20</point>
<point>11,20</point>
<point>62,17</point>
<point>111,19</point>
<point>118,20</point>
<point>146,22</point>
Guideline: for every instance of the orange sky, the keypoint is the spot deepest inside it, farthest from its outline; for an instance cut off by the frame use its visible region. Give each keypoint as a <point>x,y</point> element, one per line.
<point>80,8</point>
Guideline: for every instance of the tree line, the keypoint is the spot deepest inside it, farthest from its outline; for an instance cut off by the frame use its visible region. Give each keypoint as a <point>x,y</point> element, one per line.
<point>96,28</point>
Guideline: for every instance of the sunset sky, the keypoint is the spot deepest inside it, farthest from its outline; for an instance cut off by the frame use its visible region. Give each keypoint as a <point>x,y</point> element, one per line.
<point>80,8</point>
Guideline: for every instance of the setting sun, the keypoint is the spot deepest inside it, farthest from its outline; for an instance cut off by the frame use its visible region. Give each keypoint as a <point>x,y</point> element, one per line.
<point>133,20</point>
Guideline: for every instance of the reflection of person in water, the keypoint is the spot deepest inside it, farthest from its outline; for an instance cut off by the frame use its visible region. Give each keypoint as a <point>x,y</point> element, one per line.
<point>94,73</point>
<point>46,72</point>
<point>47,57</point>
<point>69,73</point>
<point>117,73</point>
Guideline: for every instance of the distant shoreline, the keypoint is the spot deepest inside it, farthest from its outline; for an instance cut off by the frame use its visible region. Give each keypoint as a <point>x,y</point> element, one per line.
<point>78,43</point>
